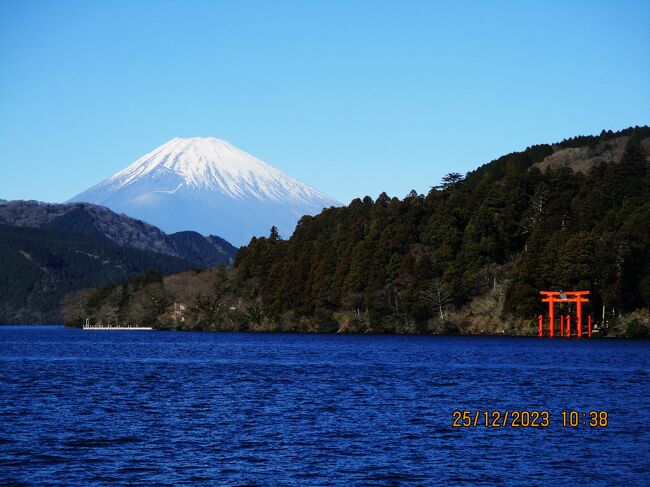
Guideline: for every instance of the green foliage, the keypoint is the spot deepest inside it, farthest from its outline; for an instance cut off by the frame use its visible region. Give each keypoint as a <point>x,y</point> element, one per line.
<point>633,325</point>
<point>41,265</point>
<point>422,256</point>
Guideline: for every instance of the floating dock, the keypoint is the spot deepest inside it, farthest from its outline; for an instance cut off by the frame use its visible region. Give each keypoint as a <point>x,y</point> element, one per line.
<point>121,327</point>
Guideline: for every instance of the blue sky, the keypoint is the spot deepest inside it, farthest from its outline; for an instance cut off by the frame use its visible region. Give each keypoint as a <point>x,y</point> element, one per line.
<point>354,98</point>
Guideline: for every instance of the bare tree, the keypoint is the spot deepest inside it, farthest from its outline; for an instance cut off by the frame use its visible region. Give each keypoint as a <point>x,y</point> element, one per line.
<point>437,296</point>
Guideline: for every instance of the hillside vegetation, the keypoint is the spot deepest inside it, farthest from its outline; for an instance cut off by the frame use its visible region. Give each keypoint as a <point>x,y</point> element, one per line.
<point>468,257</point>
<point>48,250</point>
<point>40,266</point>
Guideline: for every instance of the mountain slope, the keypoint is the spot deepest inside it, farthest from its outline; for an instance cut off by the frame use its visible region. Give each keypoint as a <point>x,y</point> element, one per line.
<point>40,265</point>
<point>210,186</point>
<point>101,223</point>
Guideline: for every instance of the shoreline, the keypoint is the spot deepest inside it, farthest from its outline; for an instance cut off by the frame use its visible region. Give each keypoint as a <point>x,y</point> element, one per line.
<point>290,332</point>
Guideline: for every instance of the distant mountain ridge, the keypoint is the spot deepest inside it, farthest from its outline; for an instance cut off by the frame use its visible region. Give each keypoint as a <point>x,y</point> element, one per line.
<point>210,186</point>
<point>99,222</point>
<point>48,250</point>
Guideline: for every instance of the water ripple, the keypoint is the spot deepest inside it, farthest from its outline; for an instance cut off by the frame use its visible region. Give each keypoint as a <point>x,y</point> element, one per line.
<point>136,408</point>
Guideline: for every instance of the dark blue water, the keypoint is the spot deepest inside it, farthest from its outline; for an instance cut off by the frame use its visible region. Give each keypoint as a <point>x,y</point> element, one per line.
<point>97,407</point>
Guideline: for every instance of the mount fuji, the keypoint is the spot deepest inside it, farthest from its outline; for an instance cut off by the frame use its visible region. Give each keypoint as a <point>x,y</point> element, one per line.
<point>209,186</point>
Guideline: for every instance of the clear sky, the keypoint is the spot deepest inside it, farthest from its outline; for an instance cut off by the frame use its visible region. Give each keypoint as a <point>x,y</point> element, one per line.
<point>352,97</point>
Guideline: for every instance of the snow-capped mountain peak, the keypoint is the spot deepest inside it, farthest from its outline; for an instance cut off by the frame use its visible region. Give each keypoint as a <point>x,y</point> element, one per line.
<point>208,185</point>
<point>214,164</point>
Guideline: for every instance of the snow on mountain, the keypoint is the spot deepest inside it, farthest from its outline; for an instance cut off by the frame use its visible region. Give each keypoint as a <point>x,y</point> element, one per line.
<point>210,186</point>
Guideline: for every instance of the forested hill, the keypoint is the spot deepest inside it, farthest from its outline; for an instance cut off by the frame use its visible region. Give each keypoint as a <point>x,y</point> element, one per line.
<point>524,222</point>
<point>468,257</point>
<point>39,266</point>
<point>48,250</point>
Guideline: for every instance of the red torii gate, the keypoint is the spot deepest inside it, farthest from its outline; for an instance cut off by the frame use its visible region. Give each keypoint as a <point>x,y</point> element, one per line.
<point>552,297</point>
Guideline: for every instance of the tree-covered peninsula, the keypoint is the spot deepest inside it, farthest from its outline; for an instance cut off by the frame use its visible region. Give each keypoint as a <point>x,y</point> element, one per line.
<point>468,257</point>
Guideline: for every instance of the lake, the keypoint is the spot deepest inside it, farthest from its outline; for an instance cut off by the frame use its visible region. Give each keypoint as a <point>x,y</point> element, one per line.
<point>167,408</point>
